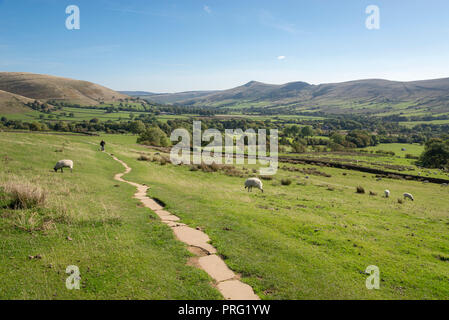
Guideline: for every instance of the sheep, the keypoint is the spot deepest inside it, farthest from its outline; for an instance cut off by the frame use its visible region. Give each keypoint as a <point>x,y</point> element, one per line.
<point>253,182</point>
<point>409,196</point>
<point>387,193</point>
<point>64,164</point>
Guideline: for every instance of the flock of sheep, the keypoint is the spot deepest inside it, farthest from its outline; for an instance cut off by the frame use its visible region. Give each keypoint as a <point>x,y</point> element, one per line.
<point>406,195</point>
<point>257,183</point>
<point>249,183</point>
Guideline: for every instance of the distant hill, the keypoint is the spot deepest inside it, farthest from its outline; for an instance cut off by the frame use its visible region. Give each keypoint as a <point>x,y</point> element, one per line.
<point>46,88</point>
<point>12,103</point>
<point>171,98</point>
<point>362,96</point>
<point>137,93</point>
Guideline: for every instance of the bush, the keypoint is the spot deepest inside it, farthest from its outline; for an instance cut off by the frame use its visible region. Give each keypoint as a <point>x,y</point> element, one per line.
<point>410,156</point>
<point>154,137</point>
<point>436,154</point>
<point>143,158</point>
<point>360,190</point>
<point>286,182</point>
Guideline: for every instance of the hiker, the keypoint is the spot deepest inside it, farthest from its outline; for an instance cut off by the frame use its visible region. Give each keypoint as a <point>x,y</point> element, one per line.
<point>102,144</point>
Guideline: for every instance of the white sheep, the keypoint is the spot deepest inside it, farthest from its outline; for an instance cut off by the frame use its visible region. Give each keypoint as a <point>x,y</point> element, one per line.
<point>64,164</point>
<point>409,196</point>
<point>387,193</point>
<point>253,183</point>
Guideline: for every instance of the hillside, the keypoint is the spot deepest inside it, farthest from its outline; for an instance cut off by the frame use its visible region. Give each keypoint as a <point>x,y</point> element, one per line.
<point>168,98</point>
<point>362,96</point>
<point>45,88</point>
<point>12,103</point>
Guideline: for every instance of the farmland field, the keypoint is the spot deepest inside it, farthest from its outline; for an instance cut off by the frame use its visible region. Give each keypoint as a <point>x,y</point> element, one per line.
<point>312,239</point>
<point>81,114</point>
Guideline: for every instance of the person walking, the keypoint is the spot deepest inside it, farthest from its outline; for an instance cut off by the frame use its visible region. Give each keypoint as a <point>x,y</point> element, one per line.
<point>102,144</point>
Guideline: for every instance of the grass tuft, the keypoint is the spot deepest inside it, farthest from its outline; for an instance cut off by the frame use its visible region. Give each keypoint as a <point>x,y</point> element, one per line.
<point>24,195</point>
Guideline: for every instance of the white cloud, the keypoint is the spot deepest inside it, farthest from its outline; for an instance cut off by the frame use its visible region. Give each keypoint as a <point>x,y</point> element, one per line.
<point>207,9</point>
<point>281,57</point>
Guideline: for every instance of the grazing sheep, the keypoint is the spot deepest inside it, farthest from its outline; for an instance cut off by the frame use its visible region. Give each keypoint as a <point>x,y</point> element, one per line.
<point>64,164</point>
<point>387,193</point>
<point>253,183</point>
<point>409,196</point>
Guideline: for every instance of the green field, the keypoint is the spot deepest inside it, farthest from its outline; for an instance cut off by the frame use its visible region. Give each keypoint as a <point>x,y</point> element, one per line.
<point>367,157</point>
<point>122,251</point>
<point>411,124</point>
<point>81,114</point>
<point>310,240</point>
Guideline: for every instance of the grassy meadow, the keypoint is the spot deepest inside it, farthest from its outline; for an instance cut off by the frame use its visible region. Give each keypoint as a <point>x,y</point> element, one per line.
<point>122,250</point>
<point>83,114</point>
<point>311,239</point>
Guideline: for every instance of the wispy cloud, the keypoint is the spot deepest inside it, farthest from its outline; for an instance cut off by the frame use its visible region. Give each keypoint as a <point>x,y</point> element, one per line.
<point>207,9</point>
<point>267,19</point>
<point>281,57</point>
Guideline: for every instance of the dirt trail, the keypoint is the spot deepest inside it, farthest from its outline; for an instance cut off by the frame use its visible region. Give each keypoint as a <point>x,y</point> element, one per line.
<point>227,282</point>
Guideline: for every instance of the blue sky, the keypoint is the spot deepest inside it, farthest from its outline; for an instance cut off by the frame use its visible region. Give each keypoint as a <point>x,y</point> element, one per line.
<point>168,46</point>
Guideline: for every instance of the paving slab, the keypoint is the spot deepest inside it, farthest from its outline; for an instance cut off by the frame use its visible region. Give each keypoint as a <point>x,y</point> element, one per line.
<point>216,268</point>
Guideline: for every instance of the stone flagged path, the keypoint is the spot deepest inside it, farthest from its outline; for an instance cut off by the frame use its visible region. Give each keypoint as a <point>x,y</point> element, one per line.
<point>206,255</point>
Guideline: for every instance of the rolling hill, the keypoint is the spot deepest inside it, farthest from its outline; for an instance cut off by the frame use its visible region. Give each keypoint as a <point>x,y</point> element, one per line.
<point>47,88</point>
<point>362,96</point>
<point>13,103</point>
<point>168,98</point>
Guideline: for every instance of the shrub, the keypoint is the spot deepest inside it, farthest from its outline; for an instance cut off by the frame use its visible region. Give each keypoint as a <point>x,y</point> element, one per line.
<point>410,156</point>
<point>233,173</point>
<point>163,161</point>
<point>435,155</point>
<point>143,158</point>
<point>154,137</point>
<point>267,178</point>
<point>286,182</point>
<point>360,190</point>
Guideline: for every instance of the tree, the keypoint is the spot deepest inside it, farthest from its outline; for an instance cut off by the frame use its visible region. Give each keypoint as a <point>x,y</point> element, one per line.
<point>338,138</point>
<point>154,137</point>
<point>307,131</point>
<point>436,154</point>
<point>299,148</point>
<point>35,126</point>
<point>137,127</point>
<point>360,139</point>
